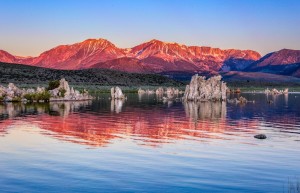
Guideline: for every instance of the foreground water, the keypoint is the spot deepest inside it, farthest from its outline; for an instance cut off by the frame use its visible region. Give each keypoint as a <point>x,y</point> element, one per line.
<point>145,145</point>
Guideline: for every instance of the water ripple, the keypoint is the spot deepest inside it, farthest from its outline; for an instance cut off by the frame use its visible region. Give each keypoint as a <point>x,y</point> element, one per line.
<point>144,145</point>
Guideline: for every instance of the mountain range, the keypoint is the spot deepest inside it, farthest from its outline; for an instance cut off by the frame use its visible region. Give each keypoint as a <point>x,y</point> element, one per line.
<point>160,57</point>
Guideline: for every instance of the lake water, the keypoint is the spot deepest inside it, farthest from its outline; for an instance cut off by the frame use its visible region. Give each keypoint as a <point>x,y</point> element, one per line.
<point>145,145</point>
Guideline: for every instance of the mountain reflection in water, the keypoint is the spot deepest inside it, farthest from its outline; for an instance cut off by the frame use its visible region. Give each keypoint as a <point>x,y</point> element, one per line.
<point>73,121</point>
<point>99,122</point>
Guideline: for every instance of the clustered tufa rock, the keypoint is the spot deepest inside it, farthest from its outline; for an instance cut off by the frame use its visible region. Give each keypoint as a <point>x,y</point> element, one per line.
<point>40,94</point>
<point>64,92</point>
<point>274,91</point>
<point>202,89</point>
<point>12,93</point>
<point>170,92</point>
<point>240,100</point>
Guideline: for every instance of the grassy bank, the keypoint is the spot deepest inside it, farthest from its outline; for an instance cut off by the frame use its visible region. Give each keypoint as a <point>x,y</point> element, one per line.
<point>261,86</point>
<point>261,89</point>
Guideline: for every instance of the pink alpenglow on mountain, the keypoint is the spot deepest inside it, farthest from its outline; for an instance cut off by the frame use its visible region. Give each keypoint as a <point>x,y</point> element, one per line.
<point>281,57</point>
<point>7,57</point>
<point>153,56</point>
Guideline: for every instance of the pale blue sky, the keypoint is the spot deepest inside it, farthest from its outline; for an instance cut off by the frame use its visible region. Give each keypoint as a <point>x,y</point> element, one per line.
<point>33,26</point>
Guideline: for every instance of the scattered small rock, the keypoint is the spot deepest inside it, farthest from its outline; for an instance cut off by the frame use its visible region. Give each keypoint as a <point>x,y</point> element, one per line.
<point>141,91</point>
<point>160,91</point>
<point>241,100</point>
<point>260,136</point>
<point>275,91</point>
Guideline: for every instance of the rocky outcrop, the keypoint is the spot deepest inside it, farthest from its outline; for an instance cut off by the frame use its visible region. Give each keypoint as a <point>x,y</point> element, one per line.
<point>160,91</point>
<point>148,91</point>
<point>236,91</point>
<point>202,89</point>
<point>11,93</point>
<point>274,91</point>
<point>64,93</point>
<point>241,100</point>
<point>171,92</point>
<point>118,99</point>
<point>141,91</point>
<point>116,93</point>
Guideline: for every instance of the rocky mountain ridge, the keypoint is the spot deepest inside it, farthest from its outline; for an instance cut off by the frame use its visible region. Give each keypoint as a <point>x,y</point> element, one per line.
<point>153,57</point>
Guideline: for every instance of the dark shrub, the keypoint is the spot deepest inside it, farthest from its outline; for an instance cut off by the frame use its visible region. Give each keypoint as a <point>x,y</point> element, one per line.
<point>53,85</point>
<point>45,96</point>
<point>16,99</point>
<point>62,92</point>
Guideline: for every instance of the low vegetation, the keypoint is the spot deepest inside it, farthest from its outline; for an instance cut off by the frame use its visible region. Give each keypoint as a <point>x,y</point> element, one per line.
<point>62,92</point>
<point>44,96</point>
<point>94,78</point>
<point>16,99</point>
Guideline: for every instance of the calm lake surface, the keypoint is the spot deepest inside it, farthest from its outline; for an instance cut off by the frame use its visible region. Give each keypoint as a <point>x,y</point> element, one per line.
<point>145,145</point>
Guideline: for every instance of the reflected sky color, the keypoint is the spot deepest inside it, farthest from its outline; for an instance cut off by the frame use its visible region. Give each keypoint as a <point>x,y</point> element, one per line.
<point>144,145</point>
<point>31,27</point>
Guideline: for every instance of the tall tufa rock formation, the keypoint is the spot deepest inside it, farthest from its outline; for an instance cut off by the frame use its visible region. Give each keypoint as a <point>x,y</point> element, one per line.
<point>202,89</point>
<point>116,93</point>
<point>64,93</point>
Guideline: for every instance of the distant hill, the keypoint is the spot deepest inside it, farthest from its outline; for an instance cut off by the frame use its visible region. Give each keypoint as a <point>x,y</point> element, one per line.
<point>24,74</point>
<point>283,62</point>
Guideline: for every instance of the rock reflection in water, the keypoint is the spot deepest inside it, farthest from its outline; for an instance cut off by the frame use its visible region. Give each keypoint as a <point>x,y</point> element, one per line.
<point>116,105</point>
<point>140,95</point>
<point>11,110</point>
<point>91,123</point>
<point>286,99</point>
<point>65,108</point>
<point>205,110</point>
<point>8,110</point>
